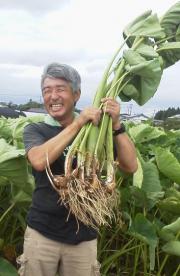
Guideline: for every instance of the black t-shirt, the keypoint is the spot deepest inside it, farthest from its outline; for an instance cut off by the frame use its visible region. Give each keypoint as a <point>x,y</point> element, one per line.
<point>47,215</point>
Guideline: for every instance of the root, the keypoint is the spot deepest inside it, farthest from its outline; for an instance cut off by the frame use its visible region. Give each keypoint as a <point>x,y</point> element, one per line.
<point>88,198</point>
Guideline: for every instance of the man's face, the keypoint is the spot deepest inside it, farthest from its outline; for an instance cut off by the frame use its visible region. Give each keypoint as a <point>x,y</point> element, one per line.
<point>59,99</point>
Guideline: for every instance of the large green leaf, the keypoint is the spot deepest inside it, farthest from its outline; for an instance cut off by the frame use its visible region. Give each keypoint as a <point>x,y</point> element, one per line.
<point>138,175</point>
<point>7,269</point>
<point>170,52</point>
<point>168,164</point>
<point>5,129</point>
<point>145,74</point>
<point>171,21</point>
<point>138,20</point>
<point>151,184</point>
<point>170,205</point>
<point>144,230</point>
<point>8,152</point>
<point>13,164</point>
<point>174,227</point>
<point>172,248</point>
<point>146,51</point>
<point>145,133</point>
<point>146,25</point>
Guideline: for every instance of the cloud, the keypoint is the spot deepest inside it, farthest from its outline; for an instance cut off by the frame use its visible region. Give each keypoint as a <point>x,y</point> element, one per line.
<point>84,34</point>
<point>33,6</point>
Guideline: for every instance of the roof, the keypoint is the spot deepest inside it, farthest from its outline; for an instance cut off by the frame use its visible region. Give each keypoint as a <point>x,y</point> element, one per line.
<point>8,112</point>
<point>37,110</point>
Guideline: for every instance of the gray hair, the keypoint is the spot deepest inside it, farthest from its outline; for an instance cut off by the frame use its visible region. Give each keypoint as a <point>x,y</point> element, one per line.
<point>62,71</point>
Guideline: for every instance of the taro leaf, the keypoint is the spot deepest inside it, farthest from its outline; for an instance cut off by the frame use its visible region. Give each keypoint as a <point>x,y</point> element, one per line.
<point>151,184</point>
<point>18,128</point>
<point>129,92</point>
<point>5,129</point>
<point>146,75</point>
<point>17,132</point>
<point>7,269</point>
<point>7,151</point>
<point>174,227</point>
<point>172,248</point>
<point>3,181</point>
<point>178,34</point>
<point>139,20</point>
<point>170,205</point>
<point>170,53</point>
<point>13,164</point>
<point>166,235</point>
<point>145,133</point>
<point>21,198</point>
<point>145,25</point>
<point>173,192</point>
<point>138,175</point>
<point>139,198</point>
<point>144,230</point>
<point>168,164</point>
<point>171,21</point>
<point>147,51</point>
<point>25,194</point>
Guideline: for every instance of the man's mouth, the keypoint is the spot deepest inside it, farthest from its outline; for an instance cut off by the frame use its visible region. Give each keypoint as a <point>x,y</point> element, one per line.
<point>56,107</point>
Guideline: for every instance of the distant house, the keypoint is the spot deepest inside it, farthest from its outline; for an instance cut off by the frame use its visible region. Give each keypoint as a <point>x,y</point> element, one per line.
<point>134,118</point>
<point>35,111</point>
<point>8,112</point>
<point>177,116</point>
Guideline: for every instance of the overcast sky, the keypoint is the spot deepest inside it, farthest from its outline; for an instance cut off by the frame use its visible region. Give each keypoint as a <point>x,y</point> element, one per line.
<point>82,33</point>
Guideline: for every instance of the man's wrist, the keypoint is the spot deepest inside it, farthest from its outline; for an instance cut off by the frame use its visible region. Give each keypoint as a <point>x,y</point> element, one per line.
<point>117,126</point>
<point>119,130</point>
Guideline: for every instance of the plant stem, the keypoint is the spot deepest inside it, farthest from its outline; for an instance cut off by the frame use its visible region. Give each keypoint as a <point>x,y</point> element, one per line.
<point>177,270</point>
<point>7,211</point>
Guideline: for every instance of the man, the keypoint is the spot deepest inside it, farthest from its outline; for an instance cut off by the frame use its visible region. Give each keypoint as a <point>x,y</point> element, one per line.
<point>51,245</point>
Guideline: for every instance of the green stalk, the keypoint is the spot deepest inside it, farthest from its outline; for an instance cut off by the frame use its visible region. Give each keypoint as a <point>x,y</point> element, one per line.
<point>101,88</point>
<point>93,135</point>
<point>177,270</point>
<point>166,258</point>
<point>137,253</point>
<point>165,39</point>
<point>105,119</point>
<point>72,151</point>
<point>7,211</point>
<point>110,155</point>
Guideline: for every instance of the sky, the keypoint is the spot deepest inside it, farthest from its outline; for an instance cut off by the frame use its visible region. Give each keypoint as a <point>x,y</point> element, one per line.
<point>82,33</point>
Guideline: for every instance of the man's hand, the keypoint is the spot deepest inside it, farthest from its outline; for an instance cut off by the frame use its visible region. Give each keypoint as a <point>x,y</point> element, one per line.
<point>89,114</point>
<point>112,107</point>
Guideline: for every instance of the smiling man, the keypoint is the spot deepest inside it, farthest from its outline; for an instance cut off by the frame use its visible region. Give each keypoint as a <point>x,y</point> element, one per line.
<point>52,245</point>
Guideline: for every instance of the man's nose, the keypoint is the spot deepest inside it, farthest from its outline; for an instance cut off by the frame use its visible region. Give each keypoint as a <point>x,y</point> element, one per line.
<point>54,94</point>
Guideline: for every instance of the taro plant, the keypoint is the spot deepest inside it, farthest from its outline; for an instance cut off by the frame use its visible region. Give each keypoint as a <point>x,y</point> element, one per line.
<point>145,238</point>
<point>16,185</point>
<point>151,44</point>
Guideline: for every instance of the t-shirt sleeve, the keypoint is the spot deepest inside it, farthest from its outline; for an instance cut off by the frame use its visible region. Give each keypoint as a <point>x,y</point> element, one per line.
<point>32,136</point>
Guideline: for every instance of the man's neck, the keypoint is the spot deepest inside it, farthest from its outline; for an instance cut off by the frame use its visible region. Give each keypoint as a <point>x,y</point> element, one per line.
<point>67,121</point>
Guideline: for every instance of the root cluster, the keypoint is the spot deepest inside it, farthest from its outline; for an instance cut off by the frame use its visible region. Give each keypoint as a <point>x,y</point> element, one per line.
<point>90,199</point>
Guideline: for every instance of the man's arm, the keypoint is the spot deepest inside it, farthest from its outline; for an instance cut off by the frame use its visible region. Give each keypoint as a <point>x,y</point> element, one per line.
<point>55,146</point>
<point>126,153</point>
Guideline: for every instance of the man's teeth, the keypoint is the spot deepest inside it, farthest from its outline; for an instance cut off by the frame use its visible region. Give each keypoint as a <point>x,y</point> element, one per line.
<point>56,105</point>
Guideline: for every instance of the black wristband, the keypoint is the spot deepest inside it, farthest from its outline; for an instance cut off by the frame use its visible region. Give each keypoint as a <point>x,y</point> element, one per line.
<point>121,130</point>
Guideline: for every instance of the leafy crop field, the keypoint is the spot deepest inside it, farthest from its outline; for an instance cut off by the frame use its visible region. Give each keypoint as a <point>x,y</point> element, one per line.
<point>144,236</point>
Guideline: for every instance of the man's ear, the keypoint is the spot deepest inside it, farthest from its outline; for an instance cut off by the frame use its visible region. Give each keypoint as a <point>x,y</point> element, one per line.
<point>77,95</point>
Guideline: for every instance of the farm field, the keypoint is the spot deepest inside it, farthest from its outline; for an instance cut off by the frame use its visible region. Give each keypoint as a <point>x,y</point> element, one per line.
<point>144,237</point>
